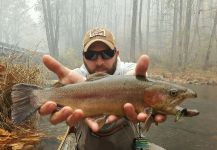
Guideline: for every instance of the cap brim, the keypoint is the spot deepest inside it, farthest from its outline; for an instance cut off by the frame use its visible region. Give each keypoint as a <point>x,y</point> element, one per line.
<point>109,44</point>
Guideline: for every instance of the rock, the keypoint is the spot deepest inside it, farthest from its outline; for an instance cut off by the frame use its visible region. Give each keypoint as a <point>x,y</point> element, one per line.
<point>211,82</point>
<point>192,81</point>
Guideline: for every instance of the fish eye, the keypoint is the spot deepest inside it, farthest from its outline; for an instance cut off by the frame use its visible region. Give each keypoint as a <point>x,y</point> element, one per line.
<point>173,92</point>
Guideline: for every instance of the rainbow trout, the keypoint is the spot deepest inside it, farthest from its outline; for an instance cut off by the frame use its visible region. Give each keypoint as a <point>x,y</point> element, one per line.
<point>104,95</point>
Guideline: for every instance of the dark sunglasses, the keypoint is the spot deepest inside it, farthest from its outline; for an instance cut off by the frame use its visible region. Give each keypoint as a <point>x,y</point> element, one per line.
<point>105,54</point>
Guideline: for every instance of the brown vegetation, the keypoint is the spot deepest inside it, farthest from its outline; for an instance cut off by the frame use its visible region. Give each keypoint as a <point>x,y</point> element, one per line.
<point>13,72</point>
<point>187,76</point>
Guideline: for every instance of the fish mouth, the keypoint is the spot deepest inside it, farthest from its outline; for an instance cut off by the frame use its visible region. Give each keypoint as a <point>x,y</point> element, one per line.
<point>185,95</point>
<point>190,94</point>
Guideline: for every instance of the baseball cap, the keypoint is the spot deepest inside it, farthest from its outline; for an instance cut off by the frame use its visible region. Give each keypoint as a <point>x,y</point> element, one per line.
<point>98,34</point>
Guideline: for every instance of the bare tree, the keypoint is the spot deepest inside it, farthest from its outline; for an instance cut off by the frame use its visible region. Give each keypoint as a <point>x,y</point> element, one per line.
<point>133,30</point>
<point>1,20</point>
<point>180,52</point>
<point>125,21</point>
<point>56,30</point>
<point>161,24</point>
<point>206,64</point>
<point>115,22</point>
<point>147,27</point>
<point>84,17</point>
<point>52,29</point>
<point>140,27</point>
<point>196,28</point>
<point>173,48</point>
<point>158,33</point>
<point>187,31</point>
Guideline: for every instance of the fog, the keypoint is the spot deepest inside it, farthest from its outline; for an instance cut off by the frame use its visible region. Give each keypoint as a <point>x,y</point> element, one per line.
<point>174,33</point>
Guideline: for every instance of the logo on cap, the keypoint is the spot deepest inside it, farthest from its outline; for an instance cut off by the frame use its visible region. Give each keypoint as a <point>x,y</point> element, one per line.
<point>97,32</point>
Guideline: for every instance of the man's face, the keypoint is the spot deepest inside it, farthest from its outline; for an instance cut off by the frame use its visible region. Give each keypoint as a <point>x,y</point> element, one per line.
<point>100,64</point>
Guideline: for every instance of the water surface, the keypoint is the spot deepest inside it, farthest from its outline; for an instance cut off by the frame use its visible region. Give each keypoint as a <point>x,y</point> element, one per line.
<point>196,133</point>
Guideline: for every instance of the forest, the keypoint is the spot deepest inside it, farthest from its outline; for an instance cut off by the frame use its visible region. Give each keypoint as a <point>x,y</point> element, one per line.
<point>174,33</point>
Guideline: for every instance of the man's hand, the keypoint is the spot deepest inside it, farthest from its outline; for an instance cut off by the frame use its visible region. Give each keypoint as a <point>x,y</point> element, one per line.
<point>71,117</point>
<point>64,74</point>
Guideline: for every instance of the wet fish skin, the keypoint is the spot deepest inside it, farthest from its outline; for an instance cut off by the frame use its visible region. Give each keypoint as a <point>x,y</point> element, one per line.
<point>103,95</point>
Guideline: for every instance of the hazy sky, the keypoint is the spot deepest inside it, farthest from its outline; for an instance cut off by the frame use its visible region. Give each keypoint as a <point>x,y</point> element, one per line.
<point>34,14</point>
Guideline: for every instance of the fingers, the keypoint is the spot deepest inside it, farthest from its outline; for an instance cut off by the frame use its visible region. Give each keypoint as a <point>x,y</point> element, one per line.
<point>75,117</point>
<point>129,111</point>
<point>47,108</point>
<point>111,119</point>
<point>131,114</point>
<point>65,114</point>
<point>64,74</point>
<point>159,118</point>
<point>55,66</point>
<point>92,125</point>
<point>142,65</point>
<point>141,117</point>
<point>61,115</point>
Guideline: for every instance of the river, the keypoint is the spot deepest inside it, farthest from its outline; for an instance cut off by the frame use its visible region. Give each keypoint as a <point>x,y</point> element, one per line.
<point>197,133</point>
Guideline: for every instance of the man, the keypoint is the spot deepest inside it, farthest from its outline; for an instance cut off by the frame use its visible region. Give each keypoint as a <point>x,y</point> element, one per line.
<point>99,55</point>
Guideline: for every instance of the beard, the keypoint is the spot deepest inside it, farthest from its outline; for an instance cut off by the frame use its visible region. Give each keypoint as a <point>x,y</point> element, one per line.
<point>103,68</point>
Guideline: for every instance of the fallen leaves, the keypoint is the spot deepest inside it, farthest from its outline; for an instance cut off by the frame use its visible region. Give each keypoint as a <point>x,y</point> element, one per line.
<point>19,140</point>
<point>13,72</point>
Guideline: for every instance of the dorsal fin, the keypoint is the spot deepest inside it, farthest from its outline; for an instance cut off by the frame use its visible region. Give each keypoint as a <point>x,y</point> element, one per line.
<point>97,76</point>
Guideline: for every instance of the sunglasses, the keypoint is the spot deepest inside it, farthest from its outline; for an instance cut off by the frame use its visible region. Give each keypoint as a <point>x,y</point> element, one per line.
<point>105,54</point>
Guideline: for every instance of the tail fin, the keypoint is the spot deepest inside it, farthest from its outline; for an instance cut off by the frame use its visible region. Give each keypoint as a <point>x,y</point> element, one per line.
<point>25,103</point>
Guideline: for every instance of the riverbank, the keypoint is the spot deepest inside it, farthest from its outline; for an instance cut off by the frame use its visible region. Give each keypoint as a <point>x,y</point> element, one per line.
<point>188,76</point>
